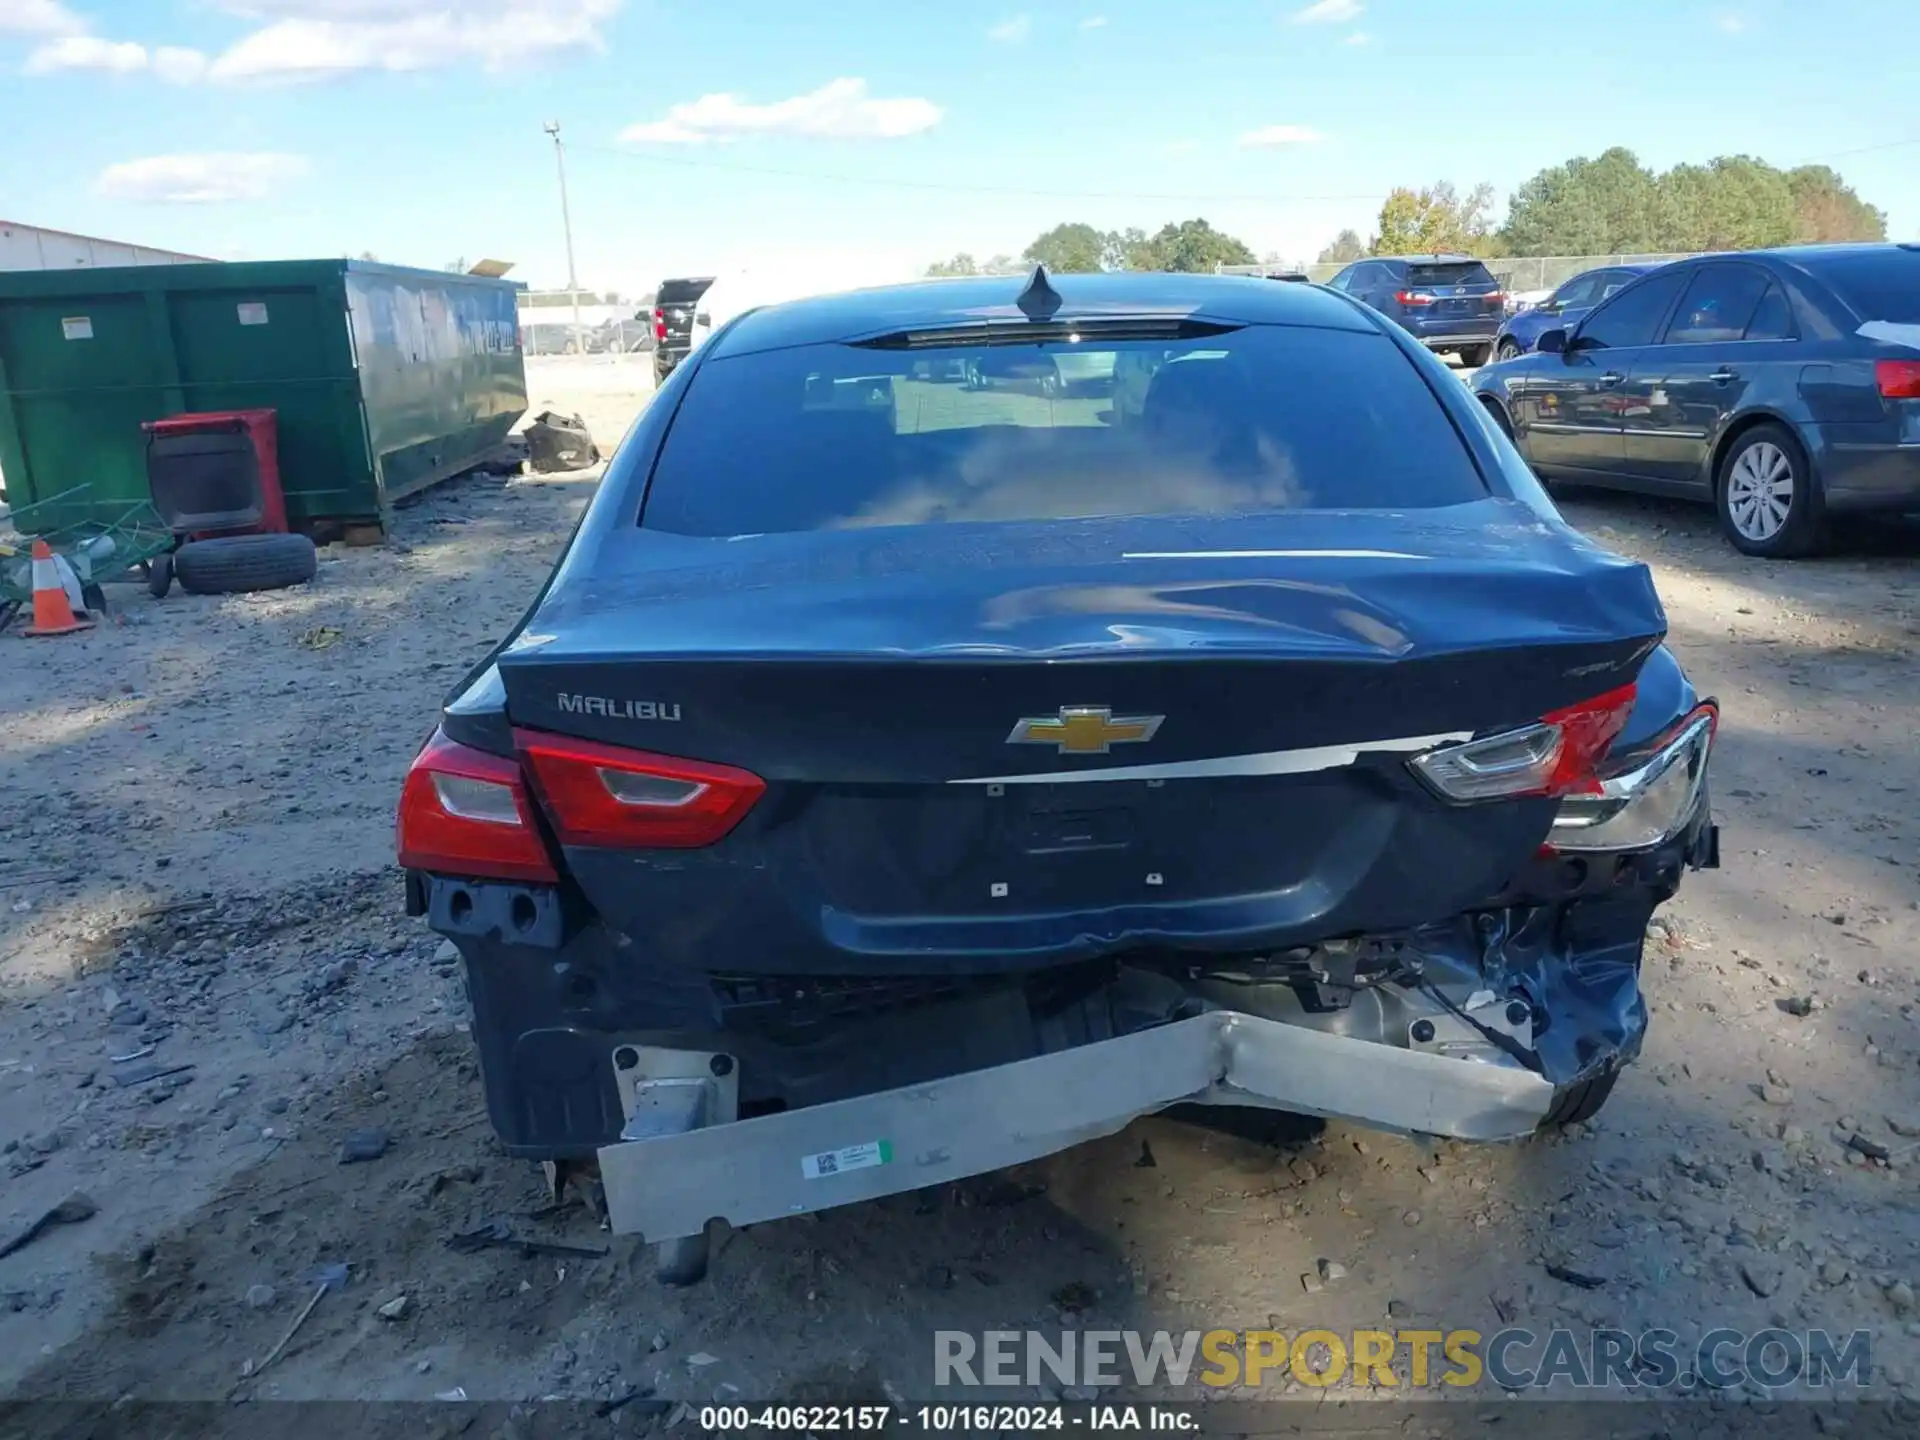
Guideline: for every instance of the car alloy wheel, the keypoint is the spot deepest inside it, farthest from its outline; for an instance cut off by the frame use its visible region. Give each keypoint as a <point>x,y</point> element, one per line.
<point>1507,351</point>
<point>1769,499</point>
<point>1760,491</point>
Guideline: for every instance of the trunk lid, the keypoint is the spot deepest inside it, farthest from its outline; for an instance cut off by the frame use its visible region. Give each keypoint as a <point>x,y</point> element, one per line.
<point>928,705</point>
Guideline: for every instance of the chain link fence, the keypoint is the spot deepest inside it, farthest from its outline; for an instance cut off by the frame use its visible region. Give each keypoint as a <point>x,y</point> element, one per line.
<point>1516,273</point>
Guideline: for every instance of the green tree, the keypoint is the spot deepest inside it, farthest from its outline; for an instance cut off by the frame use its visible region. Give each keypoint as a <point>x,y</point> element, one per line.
<point>1069,249</point>
<point>1129,249</point>
<point>1346,247</point>
<point>1827,210</point>
<point>1730,203</point>
<point>1602,206</point>
<point>1194,246</point>
<point>961,264</point>
<point>1435,219</point>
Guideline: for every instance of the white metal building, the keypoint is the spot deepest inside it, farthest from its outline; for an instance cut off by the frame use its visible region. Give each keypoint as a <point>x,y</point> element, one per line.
<point>34,247</point>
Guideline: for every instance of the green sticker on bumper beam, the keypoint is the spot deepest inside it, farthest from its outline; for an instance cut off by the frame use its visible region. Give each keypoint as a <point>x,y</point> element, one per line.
<point>849,1157</point>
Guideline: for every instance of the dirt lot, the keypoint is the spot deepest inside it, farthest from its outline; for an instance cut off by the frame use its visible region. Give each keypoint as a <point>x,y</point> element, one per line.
<point>198,804</point>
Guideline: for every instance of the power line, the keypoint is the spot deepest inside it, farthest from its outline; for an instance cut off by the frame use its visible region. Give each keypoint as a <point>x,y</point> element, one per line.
<point>649,157</point>
<point>1047,193</point>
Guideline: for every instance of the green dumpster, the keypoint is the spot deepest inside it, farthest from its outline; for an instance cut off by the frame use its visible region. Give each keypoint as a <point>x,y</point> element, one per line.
<point>386,379</point>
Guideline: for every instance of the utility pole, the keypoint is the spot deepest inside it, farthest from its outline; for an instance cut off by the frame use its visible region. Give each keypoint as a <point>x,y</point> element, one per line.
<point>552,127</point>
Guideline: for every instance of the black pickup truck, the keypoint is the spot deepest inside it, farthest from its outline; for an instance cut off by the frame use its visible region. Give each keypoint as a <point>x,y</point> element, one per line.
<point>673,307</point>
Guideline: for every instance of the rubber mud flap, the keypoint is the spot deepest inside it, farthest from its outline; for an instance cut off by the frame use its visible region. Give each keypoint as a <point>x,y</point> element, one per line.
<point>234,564</point>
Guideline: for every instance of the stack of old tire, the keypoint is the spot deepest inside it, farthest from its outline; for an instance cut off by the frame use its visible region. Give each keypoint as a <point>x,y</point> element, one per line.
<point>236,564</point>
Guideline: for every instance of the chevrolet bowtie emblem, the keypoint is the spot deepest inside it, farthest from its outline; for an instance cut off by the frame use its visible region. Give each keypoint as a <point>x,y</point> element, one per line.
<point>1085,729</point>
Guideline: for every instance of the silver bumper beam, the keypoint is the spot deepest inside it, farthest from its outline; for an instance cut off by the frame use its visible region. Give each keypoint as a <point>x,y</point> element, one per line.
<point>664,1187</point>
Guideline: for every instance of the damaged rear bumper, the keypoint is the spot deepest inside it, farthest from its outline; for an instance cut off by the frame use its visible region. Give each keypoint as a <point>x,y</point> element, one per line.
<point>748,1171</point>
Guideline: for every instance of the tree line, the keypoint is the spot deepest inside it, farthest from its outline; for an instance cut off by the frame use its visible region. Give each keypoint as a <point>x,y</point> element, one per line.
<point>1191,245</point>
<point>1611,204</point>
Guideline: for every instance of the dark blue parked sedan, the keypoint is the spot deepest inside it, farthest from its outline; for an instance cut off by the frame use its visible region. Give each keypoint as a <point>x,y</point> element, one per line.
<point>1564,307</point>
<point>1782,386</point>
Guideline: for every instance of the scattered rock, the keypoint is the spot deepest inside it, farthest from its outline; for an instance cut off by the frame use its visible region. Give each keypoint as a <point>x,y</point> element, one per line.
<point>261,1297</point>
<point>1762,1276</point>
<point>658,1343</point>
<point>363,1145</point>
<point>700,1359</point>
<point>1900,1294</point>
<point>1311,1284</point>
<point>1412,1217</point>
<point>1799,1006</point>
<point>1332,1270</point>
<point>396,1308</point>
<point>1776,1094</point>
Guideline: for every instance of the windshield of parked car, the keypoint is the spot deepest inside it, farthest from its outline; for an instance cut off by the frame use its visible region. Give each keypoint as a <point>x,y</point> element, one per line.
<point>1255,420</point>
<point>1877,284</point>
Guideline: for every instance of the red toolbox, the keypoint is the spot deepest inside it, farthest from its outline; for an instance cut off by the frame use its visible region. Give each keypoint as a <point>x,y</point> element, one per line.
<point>217,473</point>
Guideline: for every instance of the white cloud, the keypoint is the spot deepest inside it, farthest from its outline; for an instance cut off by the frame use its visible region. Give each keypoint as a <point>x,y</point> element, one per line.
<point>178,65</point>
<point>1358,37</point>
<point>1012,30</point>
<point>1094,22</point>
<point>38,17</point>
<point>1270,135</point>
<point>119,57</point>
<point>1328,12</point>
<point>840,109</point>
<point>199,179</point>
<point>87,52</point>
<point>322,39</point>
<point>1729,22</point>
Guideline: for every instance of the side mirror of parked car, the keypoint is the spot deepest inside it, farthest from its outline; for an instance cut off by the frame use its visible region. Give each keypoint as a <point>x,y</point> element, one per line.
<point>1551,342</point>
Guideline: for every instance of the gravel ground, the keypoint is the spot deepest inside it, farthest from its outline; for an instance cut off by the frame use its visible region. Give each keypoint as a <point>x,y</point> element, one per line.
<point>198,802</point>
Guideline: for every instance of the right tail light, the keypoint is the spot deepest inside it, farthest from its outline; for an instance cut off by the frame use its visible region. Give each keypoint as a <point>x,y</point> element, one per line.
<point>1559,755</point>
<point>1648,801</point>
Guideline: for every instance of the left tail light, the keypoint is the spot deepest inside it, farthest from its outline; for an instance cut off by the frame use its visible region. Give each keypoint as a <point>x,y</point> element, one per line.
<point>465,812</point>
<point>610,796</point>
<point>1413,298</point>
<point>1559,755</point>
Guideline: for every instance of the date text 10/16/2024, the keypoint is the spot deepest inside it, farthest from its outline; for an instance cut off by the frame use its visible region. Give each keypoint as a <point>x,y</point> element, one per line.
<point>938,1419</point>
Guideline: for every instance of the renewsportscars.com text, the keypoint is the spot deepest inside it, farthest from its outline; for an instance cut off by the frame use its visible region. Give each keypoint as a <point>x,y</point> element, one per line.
<point>1511,1359</point>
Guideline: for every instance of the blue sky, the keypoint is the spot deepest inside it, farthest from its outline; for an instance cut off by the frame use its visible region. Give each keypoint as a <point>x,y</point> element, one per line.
<point>878,136</point>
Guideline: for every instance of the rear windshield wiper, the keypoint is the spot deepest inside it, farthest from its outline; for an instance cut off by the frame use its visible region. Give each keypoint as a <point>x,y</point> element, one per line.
<point>1029,332</point>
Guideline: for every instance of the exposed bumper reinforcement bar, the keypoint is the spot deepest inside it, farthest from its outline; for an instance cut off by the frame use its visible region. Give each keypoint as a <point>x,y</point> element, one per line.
<point>750,1171</point>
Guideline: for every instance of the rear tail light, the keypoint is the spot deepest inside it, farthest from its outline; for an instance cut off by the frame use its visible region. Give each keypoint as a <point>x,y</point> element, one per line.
<point>627,799</point>
<point>1898,379</point>
<point>1497,300</point>
<point>1558,756</point>
<point>465,812</point>
<point>1415,298</point>
<point>659,325</point>
<point>1648,801</point>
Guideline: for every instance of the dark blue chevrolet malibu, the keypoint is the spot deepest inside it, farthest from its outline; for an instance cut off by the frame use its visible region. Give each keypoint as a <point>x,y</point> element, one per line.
<point>897,780</point>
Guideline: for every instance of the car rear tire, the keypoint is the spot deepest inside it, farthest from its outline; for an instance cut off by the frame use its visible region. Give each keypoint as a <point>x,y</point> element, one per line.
<point>1507,350</point>
<point>1769,500</point>
<point>1474,356</point>
<point>1579,1103</point>
<point>235,564</point>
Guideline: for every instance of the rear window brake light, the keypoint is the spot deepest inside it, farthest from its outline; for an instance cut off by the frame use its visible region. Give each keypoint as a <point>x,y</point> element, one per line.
<point>1170,328</point>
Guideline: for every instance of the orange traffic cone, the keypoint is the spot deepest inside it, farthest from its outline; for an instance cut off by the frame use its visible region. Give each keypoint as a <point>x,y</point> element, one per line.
<point>52,612</point>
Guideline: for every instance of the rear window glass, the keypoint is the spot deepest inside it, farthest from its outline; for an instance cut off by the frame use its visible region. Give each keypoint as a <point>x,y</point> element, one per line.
<point>1469,272</point>
<point>681,292</point>
<point>1877,284</point>
<point>1252,421</point>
